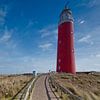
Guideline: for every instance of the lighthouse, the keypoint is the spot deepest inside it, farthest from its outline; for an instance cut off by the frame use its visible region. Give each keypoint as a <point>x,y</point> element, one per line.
<point>65,49</point>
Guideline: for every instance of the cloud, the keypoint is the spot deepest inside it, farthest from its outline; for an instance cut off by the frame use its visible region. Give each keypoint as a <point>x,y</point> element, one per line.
<point>45,46</point>
<point>3,14</point>
<point>31,23</point>
<point>81,22</point>
<point>87,3</point>
<point>90,55</point>
<point>26,64</point>
<point>48,31</point>
<point>88,62</point>
<point>6,36</point>
<point>92,38</point>
<point>86,39</point>
<point>93,3</point>
<point>98,55</point>
<point>7,39</point>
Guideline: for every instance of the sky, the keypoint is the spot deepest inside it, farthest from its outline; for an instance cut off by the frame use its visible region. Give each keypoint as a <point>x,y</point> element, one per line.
<point>28,34</point>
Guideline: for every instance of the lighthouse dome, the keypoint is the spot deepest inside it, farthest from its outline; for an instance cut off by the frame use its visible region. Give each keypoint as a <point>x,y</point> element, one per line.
<point>66,16</point>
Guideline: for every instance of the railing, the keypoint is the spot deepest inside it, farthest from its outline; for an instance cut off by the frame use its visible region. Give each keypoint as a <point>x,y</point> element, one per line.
<point>63,90</point>
<point>25,92</point>
<point>29,90</point>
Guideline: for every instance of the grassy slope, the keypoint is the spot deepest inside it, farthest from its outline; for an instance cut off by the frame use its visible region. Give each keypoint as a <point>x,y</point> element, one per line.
<point>82,84</point>
<point>10,85</point>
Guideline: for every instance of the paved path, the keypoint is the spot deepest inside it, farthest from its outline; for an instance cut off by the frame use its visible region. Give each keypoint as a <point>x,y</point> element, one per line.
<point>42,90</point>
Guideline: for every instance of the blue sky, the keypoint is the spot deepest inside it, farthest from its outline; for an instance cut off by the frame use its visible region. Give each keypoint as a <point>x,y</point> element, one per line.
<point>28,34</point>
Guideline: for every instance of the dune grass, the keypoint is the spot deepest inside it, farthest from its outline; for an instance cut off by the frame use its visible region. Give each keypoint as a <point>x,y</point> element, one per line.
<point>81,84</point>
<point>10,85</point>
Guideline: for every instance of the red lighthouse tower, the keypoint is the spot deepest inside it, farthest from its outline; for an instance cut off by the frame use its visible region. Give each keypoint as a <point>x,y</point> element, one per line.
<point>65,52</point>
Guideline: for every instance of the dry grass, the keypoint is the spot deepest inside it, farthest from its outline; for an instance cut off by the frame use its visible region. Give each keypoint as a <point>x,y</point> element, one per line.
<point>10,85</point>
<point>86,85</point>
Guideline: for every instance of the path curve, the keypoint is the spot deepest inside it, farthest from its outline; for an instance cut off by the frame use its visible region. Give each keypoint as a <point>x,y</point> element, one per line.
<point>42,90</point>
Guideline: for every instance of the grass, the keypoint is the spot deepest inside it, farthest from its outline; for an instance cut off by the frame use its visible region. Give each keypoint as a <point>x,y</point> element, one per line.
<point>10,85</point>
<point>86,85</point>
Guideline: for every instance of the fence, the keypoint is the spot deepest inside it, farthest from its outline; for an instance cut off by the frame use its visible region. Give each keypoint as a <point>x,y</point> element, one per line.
<point>63,90</point>
<point>25,92</point>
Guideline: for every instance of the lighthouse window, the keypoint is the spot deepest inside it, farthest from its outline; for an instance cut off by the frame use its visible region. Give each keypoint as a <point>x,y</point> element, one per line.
<point>59,41</point>
<point>71,32</point>
<point>63,16</point>
<point>72,50</point>
<point>59,67</point>
<point>59,60</point>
